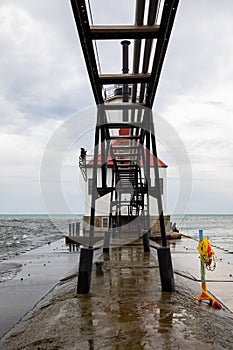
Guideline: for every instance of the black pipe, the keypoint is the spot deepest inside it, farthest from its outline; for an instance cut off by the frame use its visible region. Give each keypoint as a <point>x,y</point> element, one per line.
<point>125,69</point>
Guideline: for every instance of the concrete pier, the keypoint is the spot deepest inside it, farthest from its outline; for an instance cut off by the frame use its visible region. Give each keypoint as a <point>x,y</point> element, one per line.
<point>124,310</point>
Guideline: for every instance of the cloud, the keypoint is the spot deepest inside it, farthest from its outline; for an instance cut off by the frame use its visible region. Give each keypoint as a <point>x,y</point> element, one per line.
<point>20,155</point>
<point>42,76</point>
<point>44,81</point>
<point>195,97</point>
<point>41,71</point>
<point>199,52</point>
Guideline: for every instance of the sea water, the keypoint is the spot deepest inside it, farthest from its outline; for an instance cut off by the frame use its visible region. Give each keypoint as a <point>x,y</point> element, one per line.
<point>22,233</point>
<point>218,228</point>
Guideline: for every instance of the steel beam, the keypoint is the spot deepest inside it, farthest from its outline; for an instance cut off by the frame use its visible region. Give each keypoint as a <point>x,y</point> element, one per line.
<point>124,32</point>
<point>83,27</point>
<point>124,125</point>
<point>108,79</point>
<point>124,138</point>
<point>139,15</point>
<point>167,20</point>
<point>120,107</point>
<point>152,12</point>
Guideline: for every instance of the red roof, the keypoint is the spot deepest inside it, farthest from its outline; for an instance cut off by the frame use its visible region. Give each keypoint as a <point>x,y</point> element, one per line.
<point>125,142</point>
<point>161,164</point>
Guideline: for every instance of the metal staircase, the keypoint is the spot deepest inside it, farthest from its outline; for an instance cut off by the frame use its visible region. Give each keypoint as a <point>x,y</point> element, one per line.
<point>127,201</point>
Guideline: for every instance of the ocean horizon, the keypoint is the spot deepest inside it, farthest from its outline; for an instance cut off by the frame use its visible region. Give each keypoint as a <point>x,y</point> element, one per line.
<point>20,233</point>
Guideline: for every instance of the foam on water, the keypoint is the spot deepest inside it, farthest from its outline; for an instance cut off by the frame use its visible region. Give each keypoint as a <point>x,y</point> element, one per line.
<point>8,270</point>
<point>23,233</point>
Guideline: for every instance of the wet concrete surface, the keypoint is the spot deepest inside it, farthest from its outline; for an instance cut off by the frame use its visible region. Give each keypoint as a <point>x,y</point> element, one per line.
<point>40,270</point>
<point>125,310</point>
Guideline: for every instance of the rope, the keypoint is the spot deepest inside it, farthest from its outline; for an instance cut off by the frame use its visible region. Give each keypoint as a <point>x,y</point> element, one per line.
<point>207,255</point>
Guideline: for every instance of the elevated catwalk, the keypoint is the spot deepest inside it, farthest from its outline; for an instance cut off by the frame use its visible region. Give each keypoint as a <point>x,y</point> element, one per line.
<point>129,139</point>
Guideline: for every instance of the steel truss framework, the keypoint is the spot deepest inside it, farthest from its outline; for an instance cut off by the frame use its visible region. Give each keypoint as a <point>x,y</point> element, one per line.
<point>141,130</point>
<point>130,152</point>
<point>145,81</point>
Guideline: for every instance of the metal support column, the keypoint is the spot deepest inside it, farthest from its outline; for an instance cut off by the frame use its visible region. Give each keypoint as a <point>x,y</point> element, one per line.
<point>146,243</point>
<point>157,185</point>
<point>85,267</point>
<point>107,237</point>
<point>166,269</point>
<point>164,253</point>
<point>86,254</point>
<point>103,157</point>
<point>94,187</point>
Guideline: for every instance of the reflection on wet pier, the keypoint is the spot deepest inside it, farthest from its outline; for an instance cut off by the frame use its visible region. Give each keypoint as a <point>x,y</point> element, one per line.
<point>124,310</point>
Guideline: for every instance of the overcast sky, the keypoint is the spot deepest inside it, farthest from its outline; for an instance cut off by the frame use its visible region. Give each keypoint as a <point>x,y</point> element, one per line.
<point>43,81</point>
